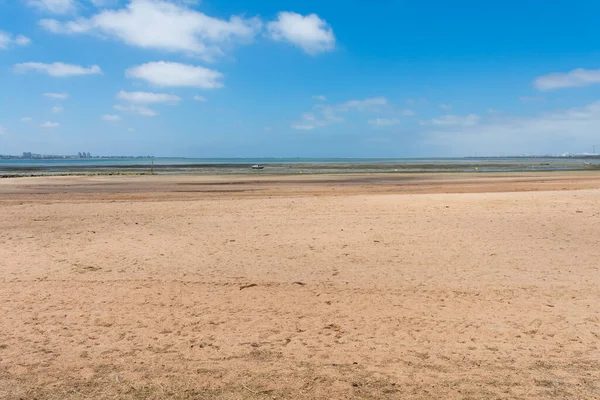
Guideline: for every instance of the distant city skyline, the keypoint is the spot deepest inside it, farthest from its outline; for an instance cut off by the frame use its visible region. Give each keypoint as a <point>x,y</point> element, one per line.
<point>298,78</point>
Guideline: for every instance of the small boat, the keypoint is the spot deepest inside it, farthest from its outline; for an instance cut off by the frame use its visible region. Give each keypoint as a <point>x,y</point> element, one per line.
<point>258,166</point>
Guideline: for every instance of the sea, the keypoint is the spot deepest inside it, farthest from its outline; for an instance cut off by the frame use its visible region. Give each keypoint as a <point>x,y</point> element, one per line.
<point>17,166</point>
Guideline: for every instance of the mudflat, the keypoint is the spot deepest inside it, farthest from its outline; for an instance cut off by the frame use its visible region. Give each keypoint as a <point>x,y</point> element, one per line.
<point>378,286</point>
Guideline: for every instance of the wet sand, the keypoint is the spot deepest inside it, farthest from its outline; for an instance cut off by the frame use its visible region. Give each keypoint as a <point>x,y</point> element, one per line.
<point>379,286</point>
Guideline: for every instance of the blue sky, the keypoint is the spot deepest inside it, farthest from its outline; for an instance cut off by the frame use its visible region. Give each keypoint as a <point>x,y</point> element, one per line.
<point>299,78</point>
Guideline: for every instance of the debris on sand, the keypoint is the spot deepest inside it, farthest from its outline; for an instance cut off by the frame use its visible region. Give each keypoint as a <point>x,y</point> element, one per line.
<point>248,286</point>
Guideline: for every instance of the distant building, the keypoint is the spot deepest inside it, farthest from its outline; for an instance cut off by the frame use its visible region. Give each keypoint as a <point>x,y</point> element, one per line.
<point>89,155</point>
<point>27,154</point>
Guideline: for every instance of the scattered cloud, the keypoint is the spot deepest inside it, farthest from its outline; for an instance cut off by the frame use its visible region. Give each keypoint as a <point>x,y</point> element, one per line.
<point>384,122</point>
<point>163,25</point>
<point>526,99</point>
<point>200,98</point>
<point>50,125</point>
<point>22,40</point>
<point>57,96</point>
<point>454,120</point>
<point>572,129</point>
<point>130,130</point>
<point>148,97</point>
<point>310,121</point>
<point>111,117</point>
<point>104,3</point>
<point>320,98</point>
<point>54,6</point>
<point>493,111</point>
<point>576,78</point>
<point>446,106</point>
<point>310,33</point>
<point>57,69</point>
<point>135,109</point>
<point>55,26</point>
<point>6,40</point>
<point>407,113</point>
<point>363,105</point>
<point>2,131</point>
<point>324,115</point>
<point>171,74</point>
<point>57,109</point>
<point>268,128</point>
<point>26,119</point>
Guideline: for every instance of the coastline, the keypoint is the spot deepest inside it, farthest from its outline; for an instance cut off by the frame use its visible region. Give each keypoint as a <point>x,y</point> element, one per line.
<point>243,167</point>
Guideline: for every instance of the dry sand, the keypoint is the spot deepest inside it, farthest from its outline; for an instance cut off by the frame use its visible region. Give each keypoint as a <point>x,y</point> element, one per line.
<point>375,286</point>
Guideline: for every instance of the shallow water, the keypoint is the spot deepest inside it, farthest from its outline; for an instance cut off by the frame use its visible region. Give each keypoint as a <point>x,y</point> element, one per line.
<point>289,165</point>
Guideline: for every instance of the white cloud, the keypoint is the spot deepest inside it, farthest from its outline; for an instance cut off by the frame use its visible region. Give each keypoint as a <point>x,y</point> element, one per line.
<point>454,120</point>
<point>320,98</point>
<point>310,121</point>
<point>446,106</point>
<point>526,99</point>
<point>57,96</point>
<point>163,25</point>
<point>6,40</point>
<point>172,74</point>
<point>576,78</point>
<point>50,125</point>
<point>303,127</point>
<point>135,109</point>
<point>329,114</point>
<point>407,113</point>
<point>2,131</point>
<point>130,130</point>
<point>26,119</point>
<point>104,3</point>
<point>57,109</point>
<point>53,6</point>
<point>22,40</point>
<point>370,104</point>
<point>71,27</point>
<point>572,130</point>
<point>58,69</point>
<point>310,33</point>
<point>384,122</point>
<point>200,98</point>
<point>147,97</point>
<point>111,117</point>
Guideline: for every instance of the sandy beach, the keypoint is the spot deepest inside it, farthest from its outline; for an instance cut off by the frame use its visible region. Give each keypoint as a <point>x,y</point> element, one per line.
<point>361,286</point>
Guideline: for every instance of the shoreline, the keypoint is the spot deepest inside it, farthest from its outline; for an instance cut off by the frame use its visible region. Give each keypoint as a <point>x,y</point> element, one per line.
<point>463,165</point>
